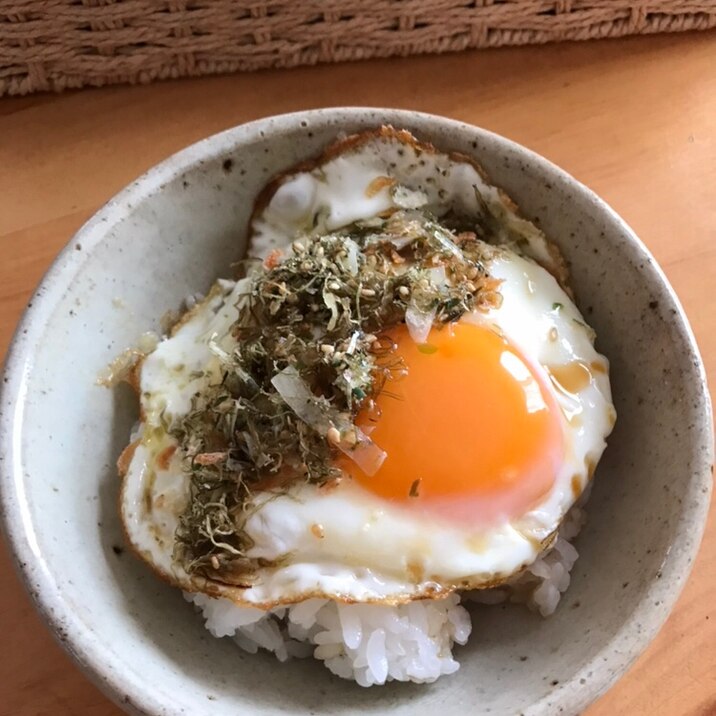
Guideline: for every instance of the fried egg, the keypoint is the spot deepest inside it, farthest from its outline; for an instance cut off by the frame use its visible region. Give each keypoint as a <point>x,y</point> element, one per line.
<point>491,436</point>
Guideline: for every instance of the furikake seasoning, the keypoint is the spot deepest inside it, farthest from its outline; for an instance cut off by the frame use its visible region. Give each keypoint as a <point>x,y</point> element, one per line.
<point>310,354</point>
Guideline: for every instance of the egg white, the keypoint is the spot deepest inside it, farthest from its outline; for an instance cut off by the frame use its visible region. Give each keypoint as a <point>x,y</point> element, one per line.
<point>356,179</point>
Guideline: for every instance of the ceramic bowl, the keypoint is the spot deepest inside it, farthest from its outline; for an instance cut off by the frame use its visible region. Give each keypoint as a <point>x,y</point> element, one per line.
<point>169,234</point>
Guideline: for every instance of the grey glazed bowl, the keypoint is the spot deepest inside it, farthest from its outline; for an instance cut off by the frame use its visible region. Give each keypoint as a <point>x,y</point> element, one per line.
<point>171,233</point>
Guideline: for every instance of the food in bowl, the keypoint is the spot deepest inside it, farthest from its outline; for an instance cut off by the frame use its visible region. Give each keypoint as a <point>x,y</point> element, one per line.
<point>397,407</point>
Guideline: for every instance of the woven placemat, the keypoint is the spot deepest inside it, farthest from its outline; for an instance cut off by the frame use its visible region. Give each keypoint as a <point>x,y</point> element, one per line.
<point>57,44</point>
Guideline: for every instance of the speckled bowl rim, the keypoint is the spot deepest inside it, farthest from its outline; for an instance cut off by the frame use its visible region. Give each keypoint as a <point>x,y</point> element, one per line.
<point>87,648</point>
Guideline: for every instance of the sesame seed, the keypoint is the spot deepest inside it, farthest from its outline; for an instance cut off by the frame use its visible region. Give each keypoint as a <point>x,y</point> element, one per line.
<point>327,349</point>
<point>333,436</point>
<point>404,291</point>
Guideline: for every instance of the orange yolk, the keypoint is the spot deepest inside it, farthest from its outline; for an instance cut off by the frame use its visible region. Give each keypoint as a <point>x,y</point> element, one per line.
<point>471,430</point>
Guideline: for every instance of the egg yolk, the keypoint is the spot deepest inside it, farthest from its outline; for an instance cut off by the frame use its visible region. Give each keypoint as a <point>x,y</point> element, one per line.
<point>470,430</point>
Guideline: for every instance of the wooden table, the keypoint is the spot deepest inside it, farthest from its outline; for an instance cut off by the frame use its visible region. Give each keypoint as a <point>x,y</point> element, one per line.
<point>634,119</point>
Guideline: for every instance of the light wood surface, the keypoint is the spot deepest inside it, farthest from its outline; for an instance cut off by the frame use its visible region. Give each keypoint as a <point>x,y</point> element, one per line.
<point>633,119</point>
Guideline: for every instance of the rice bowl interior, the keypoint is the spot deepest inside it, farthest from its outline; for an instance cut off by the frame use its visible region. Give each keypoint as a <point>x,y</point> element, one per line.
<point>155,637</point>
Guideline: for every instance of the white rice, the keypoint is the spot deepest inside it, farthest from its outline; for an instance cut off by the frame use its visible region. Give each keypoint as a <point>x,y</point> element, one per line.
<point>372,644</point>
<point>543,583</point>
<point>368,643</point>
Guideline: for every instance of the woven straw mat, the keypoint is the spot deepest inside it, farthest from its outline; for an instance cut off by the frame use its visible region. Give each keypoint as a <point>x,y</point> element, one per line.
<point>57,44</point>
